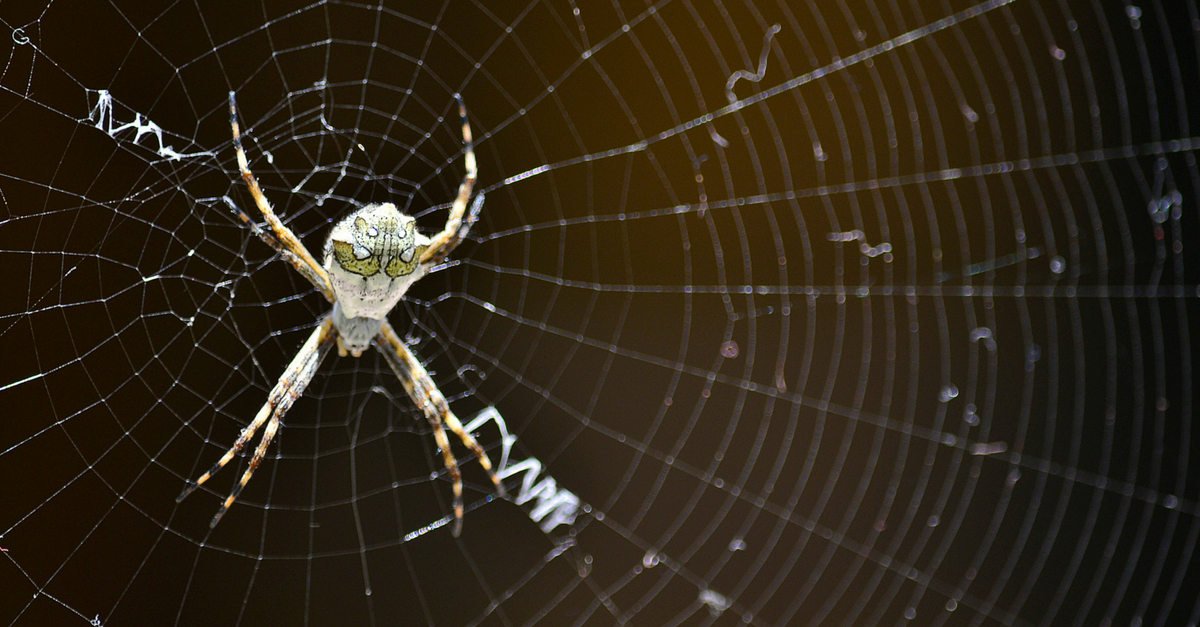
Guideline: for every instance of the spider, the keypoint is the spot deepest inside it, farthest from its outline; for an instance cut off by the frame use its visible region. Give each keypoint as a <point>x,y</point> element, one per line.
<point>372,257</point>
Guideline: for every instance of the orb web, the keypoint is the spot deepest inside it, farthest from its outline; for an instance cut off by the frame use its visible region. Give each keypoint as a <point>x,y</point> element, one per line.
<point>776,314</point>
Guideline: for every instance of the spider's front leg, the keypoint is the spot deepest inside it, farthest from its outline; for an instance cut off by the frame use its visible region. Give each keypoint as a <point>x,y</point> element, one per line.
<point>459,221</point>
<point>281,238</point>
<point>290,386</point>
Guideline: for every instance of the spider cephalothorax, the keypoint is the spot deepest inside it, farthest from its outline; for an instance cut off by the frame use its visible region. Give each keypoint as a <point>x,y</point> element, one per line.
<point>372,257</point>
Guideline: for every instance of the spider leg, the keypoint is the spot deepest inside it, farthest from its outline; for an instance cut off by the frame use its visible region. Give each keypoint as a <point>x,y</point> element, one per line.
<point>284,238</point>
<point>290,386</point>
<point>429,399</point>
<point>273,241</point>
<point>456,227</point>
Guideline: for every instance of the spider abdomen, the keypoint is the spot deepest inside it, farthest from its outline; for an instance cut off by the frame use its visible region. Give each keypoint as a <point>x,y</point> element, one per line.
<point>354,334</point>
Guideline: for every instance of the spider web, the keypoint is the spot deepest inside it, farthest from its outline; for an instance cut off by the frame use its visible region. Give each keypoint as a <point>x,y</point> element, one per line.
<point>778,313</point>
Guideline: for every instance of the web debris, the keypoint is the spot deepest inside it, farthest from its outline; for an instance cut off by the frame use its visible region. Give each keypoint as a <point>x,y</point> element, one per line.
<point>856,235</point>
<point>101,116</point>
<point>762,66</point>
<point>717,603</point>
<point>984,334</point>
<point>744,74</point>
<point>1159,207</point>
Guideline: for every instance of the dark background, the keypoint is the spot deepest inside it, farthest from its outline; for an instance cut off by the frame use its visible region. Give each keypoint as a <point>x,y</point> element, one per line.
<point>745,406</point>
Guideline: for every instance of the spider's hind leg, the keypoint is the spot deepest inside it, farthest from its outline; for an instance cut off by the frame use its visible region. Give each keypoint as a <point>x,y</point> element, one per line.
<point>290,386</point>
<point>426,396</point>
